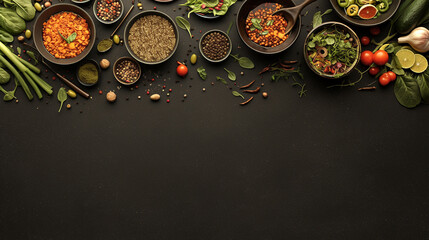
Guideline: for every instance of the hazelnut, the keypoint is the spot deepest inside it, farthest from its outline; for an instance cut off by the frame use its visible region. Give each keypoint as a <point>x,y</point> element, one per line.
<point>111,96</point>
<point>104,63</point>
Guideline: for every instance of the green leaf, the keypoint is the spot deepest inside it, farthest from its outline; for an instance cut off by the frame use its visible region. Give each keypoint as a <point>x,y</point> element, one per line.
<point>11,22</point>
<point>237,94</point>
<point>330,41</point>
<point>24,8</point>
<point>256,23</point>
<point>229,27</point>
<point>390,48</point>
<point>423,82</point>
<point>70,38</point>
<point>32,56</point>
<point>5,36</point>
<point>270,22</point>
<point>184,24</point>
<point>4,76</point>
<point>263,33</point>
<point>202,72</point>
<point>18,49</point>
<point>62,97</point>
<point>231,75</point>
<point>407,91</point>
<point>222,80</point>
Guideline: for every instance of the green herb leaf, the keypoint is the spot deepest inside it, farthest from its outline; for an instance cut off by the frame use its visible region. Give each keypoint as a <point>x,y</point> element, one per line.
<point>231,75</point>
<point>389,49</point>
<point>70,38</point>
<point>423,82</point>
<point>317,17</point>
<point>32,56</point>
<point>256,23</point>
<point>4,76</point>
<point>407,91</point>
<point>330,41</point>
<point>184,24</point>
<point>270,22</point>
<point>202,72</point>
<point>244,62</point>
<point>222,80</point>
<point>237,94</point>
<point>18,49</point>
<point>62,97</point>
<point>263,33</point>
<point>229,27</point>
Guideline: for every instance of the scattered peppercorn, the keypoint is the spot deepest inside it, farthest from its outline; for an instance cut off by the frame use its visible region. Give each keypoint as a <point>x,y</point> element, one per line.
<point>215,45</point>
<point>127,71</point>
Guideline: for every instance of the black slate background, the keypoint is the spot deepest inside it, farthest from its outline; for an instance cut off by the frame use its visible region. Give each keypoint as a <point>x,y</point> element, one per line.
<point>336,164</point>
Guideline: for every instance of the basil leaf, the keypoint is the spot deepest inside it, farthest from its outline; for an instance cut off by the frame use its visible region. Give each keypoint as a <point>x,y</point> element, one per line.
<point>407,91</point>
<point>256,23</point>
<point>184,24</point>
<point>4,76</point>
<point>221,79</point>
<point>71,38</point>
<point>32,56</point>
<point>11,22</point>
<point>270,22</point>
<point>317,19</point>
<point>424,87</point>
<point>231,75</point>
<point>202,72</point>
<point>237,94</point>
<point>5,36</point>
<point>263,33</point>
<point>246,63</point>
<point>62,97</point>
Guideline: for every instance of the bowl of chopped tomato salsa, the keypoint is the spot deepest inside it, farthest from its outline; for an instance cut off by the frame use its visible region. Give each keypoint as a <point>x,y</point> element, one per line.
<point>64,34</point>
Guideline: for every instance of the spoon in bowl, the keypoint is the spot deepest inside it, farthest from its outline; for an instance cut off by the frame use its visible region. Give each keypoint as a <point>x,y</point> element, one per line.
<point>291,14</point>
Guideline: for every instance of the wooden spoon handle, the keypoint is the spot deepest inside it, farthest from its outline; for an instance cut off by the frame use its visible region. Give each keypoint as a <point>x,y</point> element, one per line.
<point>297,9</point>
<point>74,87</point>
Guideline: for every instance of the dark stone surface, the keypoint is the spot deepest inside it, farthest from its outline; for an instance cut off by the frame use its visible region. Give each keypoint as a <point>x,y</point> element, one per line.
<point>336,164</point>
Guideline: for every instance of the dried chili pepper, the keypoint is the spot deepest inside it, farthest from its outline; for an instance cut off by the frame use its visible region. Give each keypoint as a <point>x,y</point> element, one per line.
<point>290,62</point>
<point>248,85</point>
<point>367,88</point>
<point>247,101</point>
<point>252,91</point>
<point>265,69</point>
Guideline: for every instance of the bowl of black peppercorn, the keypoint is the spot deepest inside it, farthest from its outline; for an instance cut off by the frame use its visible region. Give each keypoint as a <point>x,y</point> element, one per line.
<point>215,46</point>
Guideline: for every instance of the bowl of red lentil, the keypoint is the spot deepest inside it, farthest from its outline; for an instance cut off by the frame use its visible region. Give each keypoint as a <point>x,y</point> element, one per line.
<point>108,11</point>
<point>215,45</point>
<point>263,32</point>
<point>64,34</point>
<point>151,37</point>
<point>126,70</point>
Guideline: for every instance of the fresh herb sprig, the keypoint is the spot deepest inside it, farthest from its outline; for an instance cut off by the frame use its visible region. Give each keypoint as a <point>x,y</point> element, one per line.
<point>184,24</point>
<point>70,38</point>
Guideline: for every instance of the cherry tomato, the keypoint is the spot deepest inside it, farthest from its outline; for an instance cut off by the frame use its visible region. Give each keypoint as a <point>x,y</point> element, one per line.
<point>182,70</point>
<point>384,79</point>
<point>374,31</point>
<point>366,58</point>
<point>381,57</point>
<point>365,40</point>
<point>392,76</point>
<point>374,71</point>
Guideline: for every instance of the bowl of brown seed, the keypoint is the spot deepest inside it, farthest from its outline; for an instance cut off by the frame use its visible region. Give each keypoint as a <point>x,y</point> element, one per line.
<point>215,45</point>
<point>127,71</point>
<point>151,37</point>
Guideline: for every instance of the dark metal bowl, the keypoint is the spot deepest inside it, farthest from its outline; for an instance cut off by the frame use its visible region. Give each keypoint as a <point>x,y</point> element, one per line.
<point>120,60</point>
<point>94,10</point>
<point>370,22</point>
<point>201,47</point>
<point>140,15</point>
<point>83,63</point>
<point>38,32</point>
<point>337,25</point>
<point>245,9</point>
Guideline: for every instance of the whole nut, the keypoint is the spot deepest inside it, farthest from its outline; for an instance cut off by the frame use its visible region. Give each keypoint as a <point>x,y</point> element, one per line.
<point>104,63</point>
<point>265,94</point>
<point>111,96</point>
<point>155,97</point>
<point>21,38</point>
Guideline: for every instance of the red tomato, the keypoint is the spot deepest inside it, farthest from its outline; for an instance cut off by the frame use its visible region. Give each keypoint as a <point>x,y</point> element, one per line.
<point>392,75</point>
<point>366,58</point>
<point>374,31</point>
<point>374,71</point>
<point>381,57</point>
<point>365,40</point>
<point>182,70</point>
<point>384,79</point>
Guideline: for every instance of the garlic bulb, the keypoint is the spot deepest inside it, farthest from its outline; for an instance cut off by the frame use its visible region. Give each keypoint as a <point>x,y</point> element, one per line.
<point>418,39</point>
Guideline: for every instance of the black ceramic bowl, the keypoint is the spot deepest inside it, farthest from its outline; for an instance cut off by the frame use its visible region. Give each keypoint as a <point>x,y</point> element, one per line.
<point>140,15</point>
<point>338,25</point>
<point>245,9</point>
<point>370,22</point>
<point>81,64</point>
<point>94,9</point>
<point>38,32</point>
<point>129,59</point>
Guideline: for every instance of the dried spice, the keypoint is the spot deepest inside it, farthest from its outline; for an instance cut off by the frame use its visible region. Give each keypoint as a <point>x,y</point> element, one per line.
<point>127,71</point>
<point>252,91</point>
<point>264,28</point>
<point>247,101</point>
<point>248,85</point>
<point>152,38</point>
<point>88,73</point>
<point>108,10</point>
<point>215,45</point>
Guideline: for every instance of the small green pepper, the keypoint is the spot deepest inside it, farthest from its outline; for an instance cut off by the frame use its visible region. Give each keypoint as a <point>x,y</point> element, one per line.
<point>116,39</point>
<point>352,10</point>
<point>383,6</point>
<point>27,34</point>
<point>71,93</point>
<point>194,58</point>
